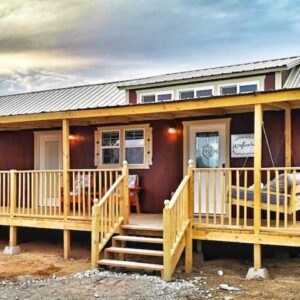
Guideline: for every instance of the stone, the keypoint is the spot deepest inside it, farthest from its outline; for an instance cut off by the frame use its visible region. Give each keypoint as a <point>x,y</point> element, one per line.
<point>220,273</point>
<point>257,273</point>
<point>9,250</point>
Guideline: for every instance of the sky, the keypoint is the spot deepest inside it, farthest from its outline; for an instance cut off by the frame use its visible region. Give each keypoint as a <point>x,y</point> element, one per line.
<point>47,44</point>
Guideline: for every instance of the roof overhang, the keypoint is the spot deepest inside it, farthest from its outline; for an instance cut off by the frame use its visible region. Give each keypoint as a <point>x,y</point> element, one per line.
<point>272,100</point>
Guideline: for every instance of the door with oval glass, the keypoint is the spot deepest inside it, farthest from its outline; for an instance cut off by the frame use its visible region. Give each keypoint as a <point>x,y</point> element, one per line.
<point>208,149</point>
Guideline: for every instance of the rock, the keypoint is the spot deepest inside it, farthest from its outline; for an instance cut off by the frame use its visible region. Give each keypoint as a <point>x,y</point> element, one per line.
<point>257,274</point>
<point>226,287</point>
<point>220,273</point>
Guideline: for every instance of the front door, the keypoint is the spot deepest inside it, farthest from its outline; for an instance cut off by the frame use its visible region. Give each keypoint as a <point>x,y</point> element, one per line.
<point>48,156</point>
<point>208,149</point>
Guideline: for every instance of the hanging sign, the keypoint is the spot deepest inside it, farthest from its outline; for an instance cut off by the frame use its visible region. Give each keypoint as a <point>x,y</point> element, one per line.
<point>242,145</point>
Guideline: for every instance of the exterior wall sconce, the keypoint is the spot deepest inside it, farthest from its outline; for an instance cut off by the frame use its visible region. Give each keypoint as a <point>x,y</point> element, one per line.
<point>172,130</point>
<point>72,137</point>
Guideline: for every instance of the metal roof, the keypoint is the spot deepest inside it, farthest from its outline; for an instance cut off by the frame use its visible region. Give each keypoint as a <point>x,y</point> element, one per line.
<point>65,99</point>
<point>293,80</point>
<point>287,63</point>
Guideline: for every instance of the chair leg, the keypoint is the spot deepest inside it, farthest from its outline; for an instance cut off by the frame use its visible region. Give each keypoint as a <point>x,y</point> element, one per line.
<point>137,205</point>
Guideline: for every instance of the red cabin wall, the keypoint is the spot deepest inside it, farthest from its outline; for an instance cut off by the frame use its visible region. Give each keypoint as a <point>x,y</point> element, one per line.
<point>163,177</point>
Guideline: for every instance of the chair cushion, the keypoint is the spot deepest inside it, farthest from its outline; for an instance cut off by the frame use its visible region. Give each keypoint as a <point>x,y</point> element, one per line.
<point>250,196</point>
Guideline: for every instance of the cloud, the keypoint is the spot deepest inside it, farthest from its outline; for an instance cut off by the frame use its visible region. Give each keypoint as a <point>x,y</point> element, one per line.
<point>101,40</point>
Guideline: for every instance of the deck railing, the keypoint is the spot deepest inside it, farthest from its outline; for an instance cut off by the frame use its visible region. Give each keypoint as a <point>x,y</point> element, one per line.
<point>281,199</point>
<point>86,185</point>
<point>37,193</point>
<point>109,213</point>
<point>5,192</point>
<point>221,197</point>
<point>177,228</point>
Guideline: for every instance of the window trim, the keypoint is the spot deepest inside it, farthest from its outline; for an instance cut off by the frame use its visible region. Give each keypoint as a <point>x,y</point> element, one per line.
<point>156,94</point>
<point>238,85</point>
<point>124,148</point>
<point>195,89</point>
<point>147,129</point>
<point>110,147</point>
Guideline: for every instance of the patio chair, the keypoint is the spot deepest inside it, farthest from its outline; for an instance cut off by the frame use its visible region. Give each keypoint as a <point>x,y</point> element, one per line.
<point>134,190</point>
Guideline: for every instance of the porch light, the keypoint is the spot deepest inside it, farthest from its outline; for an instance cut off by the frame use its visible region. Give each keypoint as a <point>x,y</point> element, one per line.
<point>72,137</point>
<point>172,130</point>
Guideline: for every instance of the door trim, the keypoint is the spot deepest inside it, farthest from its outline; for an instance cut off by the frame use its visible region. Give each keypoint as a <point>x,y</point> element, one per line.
<point>37,144</point>
<point>186,137</point>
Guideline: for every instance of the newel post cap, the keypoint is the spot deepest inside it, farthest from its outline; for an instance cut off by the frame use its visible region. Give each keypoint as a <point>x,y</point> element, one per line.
<point>191,163</point>
<point>95,201</point>
<point>125,163</point>
<point>167,203</point>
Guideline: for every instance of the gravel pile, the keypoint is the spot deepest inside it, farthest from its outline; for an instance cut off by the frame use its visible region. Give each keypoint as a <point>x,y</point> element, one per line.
<point>94,284</point>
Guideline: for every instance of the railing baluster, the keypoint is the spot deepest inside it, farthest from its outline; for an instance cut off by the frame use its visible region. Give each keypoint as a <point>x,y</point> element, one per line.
<point>237,174</point>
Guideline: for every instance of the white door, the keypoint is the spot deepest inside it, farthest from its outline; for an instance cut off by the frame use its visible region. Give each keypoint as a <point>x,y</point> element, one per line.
<point>208,149</point>
<point>48,157</point>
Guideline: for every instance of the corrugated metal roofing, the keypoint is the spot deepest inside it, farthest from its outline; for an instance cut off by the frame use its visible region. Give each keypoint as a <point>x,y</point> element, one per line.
<point>293,80</point>
<point>247,67</point>
<point>74,98</point>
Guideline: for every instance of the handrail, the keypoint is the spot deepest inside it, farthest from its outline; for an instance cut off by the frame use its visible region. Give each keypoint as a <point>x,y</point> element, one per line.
<point>109,213</point>
<point>176,226</point>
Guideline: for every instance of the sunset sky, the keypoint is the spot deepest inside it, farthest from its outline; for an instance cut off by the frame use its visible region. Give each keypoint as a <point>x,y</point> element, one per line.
<point>56,43</point>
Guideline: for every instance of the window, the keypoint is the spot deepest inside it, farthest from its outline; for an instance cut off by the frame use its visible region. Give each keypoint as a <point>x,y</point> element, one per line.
<point>196,93</point>
<point>164,97</point>
<point>186,95</point>
<point>110,147</point>
<point>132,143</point>
<point>248,88</point>
<point>134,146</point>
<point>241,88</point>
<point>204,93</point>
<point>148,98</point>
<point>156,97</point>
<point>229,90</point>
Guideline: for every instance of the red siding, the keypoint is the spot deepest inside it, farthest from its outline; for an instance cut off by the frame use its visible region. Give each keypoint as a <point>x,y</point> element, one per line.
<point>16,150</point>
<point>132,97</point>
<point>270,82</point>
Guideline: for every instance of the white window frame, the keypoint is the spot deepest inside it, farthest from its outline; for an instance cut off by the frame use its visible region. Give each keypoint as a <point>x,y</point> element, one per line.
<point>110,147</point>
<point>156,94</point>
<point>147,146</point>
<point>195,89</point>
<point>238,85</point>
<point>124,148</point>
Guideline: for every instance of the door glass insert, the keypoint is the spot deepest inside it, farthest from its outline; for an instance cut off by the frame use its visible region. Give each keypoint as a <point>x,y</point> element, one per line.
<point>207,150</point>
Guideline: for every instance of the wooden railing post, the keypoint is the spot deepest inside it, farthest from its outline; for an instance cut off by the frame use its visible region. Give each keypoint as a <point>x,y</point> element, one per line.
<point>66,182</point>
<point>258,120</point>
<point>95,234</point>
<point>126,208</point>
<point>13,192</point>
<point>167,241</point>
<point>190,211</point>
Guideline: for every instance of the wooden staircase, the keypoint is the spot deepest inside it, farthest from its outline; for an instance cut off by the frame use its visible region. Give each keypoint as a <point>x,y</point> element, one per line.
<point>133,249</point>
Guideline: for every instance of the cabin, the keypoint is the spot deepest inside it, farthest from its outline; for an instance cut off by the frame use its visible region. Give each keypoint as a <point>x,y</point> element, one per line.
<point>210,154</point>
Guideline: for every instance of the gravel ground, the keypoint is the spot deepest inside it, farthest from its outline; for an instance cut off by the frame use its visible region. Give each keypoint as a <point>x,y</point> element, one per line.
<point>96,284</point>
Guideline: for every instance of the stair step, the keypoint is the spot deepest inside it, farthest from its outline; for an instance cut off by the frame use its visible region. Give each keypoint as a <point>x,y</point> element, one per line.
<point>139,227</point>
<point>138,239</point>
<point>135,251</point>
<point>130,265</point>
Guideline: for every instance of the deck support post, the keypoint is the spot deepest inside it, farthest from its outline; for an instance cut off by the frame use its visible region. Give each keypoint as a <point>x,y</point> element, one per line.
<point>67,243</point>
<point>257,271</point>
<point>66,182</point>
<point>288,137</point>
<point>126,204</point>
<point>12,248</point>
<point>190,208</point>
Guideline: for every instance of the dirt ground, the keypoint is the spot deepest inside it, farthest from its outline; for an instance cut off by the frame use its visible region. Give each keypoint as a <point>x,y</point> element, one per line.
<point>39,272</point>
